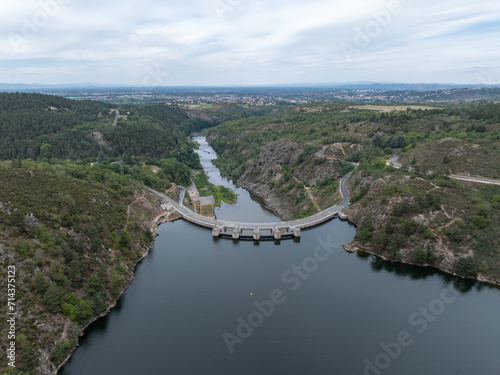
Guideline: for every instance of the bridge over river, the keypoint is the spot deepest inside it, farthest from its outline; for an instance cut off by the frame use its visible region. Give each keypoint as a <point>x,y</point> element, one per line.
<point>257,231</point>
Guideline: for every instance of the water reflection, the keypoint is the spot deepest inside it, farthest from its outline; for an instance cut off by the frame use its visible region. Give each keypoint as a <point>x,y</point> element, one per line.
<point>421,273</point>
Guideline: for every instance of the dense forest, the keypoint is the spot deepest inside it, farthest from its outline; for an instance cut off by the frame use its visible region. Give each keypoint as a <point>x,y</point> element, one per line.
<point>44,127</point>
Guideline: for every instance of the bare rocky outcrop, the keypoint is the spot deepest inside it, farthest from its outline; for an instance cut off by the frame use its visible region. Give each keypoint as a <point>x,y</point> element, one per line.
<point>31,222</point>
<point>101,141</point>
<point>265,169</point>
<point>264,174</point>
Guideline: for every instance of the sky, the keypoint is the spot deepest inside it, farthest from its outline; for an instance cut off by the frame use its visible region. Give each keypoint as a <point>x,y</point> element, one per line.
<point>249,42</point>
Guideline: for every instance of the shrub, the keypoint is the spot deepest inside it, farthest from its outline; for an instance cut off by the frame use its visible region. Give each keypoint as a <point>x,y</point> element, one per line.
<point>61,350</point>
<point>419,256</point>
<point>365,231</point>
<point>480,222</point>
<point>409,227</point>
<point>466,267</point>
<point>52,298</point>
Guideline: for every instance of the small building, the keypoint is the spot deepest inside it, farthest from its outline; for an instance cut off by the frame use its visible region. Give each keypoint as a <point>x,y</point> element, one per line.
<point>204,205</point>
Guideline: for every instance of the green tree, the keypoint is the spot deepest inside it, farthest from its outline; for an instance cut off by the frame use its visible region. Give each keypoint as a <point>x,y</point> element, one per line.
<point>480,221</point>
<point>46,150</point>
<point>52,298</point>
<point>75,272</point>
<point>380,240</point>
<point>483,267</point>
<point>17,219</point>
<point>419,256</point>
<point>41,283</point>
<point>81,312</point>
<point>466,266</point>
<point>365,231</point>
<point>28,360</point>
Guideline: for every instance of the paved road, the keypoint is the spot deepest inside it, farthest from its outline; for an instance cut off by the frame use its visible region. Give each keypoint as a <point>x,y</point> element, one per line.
<point>181,194</point>
<point>307,222</point>
<point>394,160</point>
<point>396,164</point>
<point>116,117</point>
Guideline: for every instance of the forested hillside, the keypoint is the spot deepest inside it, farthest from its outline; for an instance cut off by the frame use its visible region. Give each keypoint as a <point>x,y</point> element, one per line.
<point>295,158</point>
<point>381,128</point>
<point>74,237</point>
<point>47,127</point>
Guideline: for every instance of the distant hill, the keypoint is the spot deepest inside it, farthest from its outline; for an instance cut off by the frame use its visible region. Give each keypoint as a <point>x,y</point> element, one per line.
<point>362,85</point>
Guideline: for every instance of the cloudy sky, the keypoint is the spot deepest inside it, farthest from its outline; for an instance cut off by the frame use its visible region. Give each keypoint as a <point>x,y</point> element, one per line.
<point>224,42</point>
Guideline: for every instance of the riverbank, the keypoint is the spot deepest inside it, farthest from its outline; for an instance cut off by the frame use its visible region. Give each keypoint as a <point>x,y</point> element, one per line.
<point>156,221</point>
<point>356,247</point>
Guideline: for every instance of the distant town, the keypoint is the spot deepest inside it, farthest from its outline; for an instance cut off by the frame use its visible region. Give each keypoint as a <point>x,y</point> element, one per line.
<point>266,96</point>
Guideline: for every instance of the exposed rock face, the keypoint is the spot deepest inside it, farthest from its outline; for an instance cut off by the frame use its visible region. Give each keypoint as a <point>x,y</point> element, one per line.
<point>4,208</point>
<point>31,222</point>
<point>356,212</point>
<point>100,140</point>
<point>263,173</point>
<point>266,168</point>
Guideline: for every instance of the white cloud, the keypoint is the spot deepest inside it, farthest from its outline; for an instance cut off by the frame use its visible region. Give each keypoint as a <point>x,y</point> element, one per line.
<point>254,42</point>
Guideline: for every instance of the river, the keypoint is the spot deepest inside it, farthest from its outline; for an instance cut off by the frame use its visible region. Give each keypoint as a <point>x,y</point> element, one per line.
<point>200,305</point>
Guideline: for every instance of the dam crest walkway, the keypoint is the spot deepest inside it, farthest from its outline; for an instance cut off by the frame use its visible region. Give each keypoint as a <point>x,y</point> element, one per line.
<point>257,231</point>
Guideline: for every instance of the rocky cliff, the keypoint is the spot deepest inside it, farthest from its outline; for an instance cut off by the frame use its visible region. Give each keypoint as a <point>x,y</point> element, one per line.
<point>285,177</point>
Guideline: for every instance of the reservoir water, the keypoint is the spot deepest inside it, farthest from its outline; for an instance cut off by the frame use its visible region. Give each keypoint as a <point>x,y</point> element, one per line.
<point>200,305</point>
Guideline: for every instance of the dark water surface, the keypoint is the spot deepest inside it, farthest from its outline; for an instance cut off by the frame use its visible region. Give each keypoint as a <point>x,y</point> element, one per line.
<point>333,315</point>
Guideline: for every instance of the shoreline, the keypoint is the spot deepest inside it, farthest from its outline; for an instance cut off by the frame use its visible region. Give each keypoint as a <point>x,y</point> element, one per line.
<point>154,227</point>
<point>351,248</point>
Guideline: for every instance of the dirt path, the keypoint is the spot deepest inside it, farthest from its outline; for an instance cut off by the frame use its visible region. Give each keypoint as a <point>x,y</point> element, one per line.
<point>64,333</point>
<point>309,194</point>
<point>157,218</point>
<point>142,197</point>
<point>342,148</point>
<point>481,180</point>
